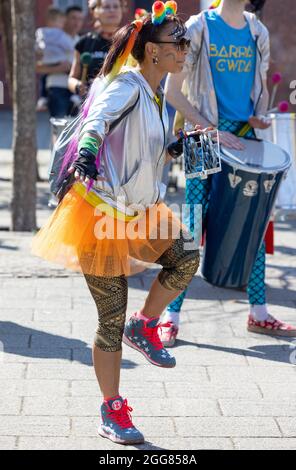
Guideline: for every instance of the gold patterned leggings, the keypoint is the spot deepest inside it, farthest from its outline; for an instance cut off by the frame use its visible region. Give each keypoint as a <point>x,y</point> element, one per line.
<point>110,293</point>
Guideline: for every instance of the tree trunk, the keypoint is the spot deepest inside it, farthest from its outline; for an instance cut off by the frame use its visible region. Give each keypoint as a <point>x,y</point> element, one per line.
<point>6,33</point>
<point>24,116</point>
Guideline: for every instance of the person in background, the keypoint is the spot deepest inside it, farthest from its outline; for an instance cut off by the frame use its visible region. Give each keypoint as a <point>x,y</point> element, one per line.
<point>52,46</point>
<point>225,75</point>
<point>107,16</point>
<point>58,47</point>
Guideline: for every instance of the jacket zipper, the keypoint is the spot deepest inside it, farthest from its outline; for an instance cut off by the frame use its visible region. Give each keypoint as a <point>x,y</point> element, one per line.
<point>163,128</point>
<point>160,110</point>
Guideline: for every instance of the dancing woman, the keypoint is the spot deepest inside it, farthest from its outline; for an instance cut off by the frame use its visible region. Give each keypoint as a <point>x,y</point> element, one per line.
<point>118,166</point>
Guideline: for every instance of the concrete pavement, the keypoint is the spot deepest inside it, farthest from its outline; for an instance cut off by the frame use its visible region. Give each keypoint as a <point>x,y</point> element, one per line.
<point>230,389</point>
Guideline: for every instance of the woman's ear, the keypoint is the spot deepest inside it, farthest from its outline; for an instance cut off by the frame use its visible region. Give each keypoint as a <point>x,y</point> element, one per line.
<point>150,49</point>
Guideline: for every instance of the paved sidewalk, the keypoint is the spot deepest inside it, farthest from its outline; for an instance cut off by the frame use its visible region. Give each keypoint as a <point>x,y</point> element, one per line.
<point>230,389</point>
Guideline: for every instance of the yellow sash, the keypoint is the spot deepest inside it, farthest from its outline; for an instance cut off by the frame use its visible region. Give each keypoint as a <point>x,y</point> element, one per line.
<point>95,200</point>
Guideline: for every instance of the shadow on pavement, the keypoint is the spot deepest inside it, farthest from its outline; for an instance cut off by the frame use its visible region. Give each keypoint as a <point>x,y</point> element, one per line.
<point>266,352</point>
<point>28,342</point>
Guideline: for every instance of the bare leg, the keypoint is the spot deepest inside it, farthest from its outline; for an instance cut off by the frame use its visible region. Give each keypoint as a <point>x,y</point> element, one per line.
<point>158,299</point>
<point>107,369</point>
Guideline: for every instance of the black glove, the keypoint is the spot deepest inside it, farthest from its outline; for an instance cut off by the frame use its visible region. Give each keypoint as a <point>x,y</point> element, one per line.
<point>65,186</point>
<point>86,164</point>
<point>175,149</point>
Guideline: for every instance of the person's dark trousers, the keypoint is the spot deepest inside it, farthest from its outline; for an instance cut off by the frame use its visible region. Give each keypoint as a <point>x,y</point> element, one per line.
<point>43,89</point>
<point>59,104</point>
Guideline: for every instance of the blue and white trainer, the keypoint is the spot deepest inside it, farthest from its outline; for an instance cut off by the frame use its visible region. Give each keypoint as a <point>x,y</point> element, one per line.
<point>144,337</point>
<point>116,423</point>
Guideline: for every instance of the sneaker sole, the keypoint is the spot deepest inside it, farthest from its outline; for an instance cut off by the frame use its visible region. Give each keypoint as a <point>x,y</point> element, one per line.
<point>131,345</point>
<point>264,331</point>
<point>115,439</point>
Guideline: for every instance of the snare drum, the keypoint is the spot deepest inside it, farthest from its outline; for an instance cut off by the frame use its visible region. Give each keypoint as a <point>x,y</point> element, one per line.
<point>241,201</point>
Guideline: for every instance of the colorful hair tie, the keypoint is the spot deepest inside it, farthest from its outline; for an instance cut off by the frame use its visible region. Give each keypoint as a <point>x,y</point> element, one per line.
<point>122,59</point>
<point>141,13</point>
<point>160,10</point>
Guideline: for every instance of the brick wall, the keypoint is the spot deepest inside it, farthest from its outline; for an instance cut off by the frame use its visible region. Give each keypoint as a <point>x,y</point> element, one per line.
<point>280,18</point>
<point>40,11</point>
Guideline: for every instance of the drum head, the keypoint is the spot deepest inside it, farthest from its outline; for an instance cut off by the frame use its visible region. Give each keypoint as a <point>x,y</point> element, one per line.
<point>259,156</point>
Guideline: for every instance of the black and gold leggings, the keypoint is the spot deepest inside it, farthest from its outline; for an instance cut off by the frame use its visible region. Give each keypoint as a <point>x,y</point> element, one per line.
<point>110,293</point>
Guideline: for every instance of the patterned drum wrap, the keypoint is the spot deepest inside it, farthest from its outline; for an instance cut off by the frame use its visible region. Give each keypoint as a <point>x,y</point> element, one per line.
<point>241,201</point>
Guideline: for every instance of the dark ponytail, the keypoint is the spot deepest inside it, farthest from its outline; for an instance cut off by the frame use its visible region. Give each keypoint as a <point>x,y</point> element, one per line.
<point>148,32</point>
<point>118,47</point>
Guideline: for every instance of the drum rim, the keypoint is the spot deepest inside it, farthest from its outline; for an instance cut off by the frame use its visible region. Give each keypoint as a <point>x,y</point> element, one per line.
<point>282,115</point>
<point>250,169</point>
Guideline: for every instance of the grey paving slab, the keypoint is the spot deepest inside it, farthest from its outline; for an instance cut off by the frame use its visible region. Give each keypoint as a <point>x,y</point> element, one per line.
<point>264,443</point>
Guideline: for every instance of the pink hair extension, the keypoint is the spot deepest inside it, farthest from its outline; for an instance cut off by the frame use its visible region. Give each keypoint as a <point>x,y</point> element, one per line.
<point>72,149</point>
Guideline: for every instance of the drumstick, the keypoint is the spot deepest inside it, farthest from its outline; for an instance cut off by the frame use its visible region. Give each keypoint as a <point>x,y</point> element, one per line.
<point>84,73</point>
<point>282,107</point>
<point>85,61</point>
<point>276,80</point>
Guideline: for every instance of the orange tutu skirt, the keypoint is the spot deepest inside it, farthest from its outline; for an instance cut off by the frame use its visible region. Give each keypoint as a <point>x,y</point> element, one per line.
<point>83,237</point>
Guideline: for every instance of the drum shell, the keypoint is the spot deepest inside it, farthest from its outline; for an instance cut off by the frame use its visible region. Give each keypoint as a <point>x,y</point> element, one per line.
<point>283,133</point>
<point>236,225</point>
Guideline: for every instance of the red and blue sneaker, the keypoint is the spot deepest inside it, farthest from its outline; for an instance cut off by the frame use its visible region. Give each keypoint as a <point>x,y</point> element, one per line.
<point>144,337</point>
<point>116,423</point>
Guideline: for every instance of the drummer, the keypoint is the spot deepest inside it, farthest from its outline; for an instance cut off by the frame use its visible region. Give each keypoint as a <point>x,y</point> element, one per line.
<point>225,83</point>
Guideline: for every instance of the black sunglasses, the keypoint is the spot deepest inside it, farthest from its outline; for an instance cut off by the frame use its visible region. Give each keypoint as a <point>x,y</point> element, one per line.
<point>182,44</point>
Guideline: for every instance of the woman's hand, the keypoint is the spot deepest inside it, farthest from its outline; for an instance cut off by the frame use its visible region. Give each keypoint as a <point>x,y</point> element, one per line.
<point>230,140</point>
<point>84,168</point>
<point>175,149</point>
<point>81,89</point>
<point>226,138</point>
<point>198,130</point>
